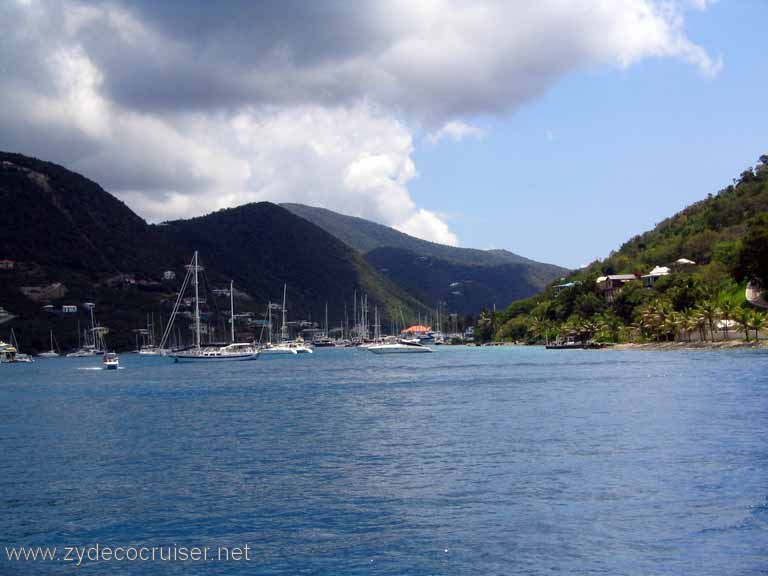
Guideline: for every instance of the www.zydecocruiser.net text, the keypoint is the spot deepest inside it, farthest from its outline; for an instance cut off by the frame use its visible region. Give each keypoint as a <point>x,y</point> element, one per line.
<point>78,555</point>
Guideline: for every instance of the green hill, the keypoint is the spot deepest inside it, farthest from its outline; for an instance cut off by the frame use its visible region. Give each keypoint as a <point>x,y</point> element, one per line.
<point>72,242</point>
<point>465,279</point>
<point>726,235</point>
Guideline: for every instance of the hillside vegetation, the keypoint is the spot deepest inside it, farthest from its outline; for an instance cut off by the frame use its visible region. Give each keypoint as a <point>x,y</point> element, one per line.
<point>726,235</point>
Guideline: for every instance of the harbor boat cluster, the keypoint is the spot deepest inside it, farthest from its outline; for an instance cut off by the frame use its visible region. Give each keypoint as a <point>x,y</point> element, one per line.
<point>366,333</point>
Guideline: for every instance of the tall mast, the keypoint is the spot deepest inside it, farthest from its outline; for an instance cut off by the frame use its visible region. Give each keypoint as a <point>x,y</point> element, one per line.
<point>283,327</point>
<point>197,307</point>
<point>232,308</point>
<point>93,329</point>
<point>269,320</point>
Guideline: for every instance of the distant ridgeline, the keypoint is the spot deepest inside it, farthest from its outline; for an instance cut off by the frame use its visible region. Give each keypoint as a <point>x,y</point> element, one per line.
<point>685,279</point>
<point>462,280</point>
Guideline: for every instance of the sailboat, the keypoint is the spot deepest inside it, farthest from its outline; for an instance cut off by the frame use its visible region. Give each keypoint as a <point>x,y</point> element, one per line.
<point>285,346</point>
<point>147,346</point>
<point>91,346</point>
<point>51,353</point>
<point>236,351</point>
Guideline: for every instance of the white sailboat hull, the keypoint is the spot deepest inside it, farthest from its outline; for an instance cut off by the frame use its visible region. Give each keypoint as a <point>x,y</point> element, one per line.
<point>213,357</point>
<point>398,349</point>
<point>278,351</point>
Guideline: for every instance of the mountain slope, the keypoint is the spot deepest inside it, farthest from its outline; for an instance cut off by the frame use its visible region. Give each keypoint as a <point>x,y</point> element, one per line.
<point>466,279</point>
<point>263,246</point>
<point>72,242</point>
<point>710,229</point>
<point>726,235</point>
<point>54,217</point>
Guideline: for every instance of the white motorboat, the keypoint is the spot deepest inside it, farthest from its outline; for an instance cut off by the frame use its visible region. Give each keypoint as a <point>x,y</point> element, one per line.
<point>111,361</point>
<point>277,349</point>
<point>236,351</point>
<point>399,347</point>
<point>9,353</point>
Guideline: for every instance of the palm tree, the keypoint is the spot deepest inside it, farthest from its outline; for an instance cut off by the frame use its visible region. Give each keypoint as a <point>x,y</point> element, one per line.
<point>744,317</point>
<point>759,320</point>
<point>690,322</point>
<point>727,310</point>
<point>709,310</point>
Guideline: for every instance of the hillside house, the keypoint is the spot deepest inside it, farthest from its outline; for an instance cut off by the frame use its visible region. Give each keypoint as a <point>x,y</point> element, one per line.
<point>650,279</point>
<point>611,285</point>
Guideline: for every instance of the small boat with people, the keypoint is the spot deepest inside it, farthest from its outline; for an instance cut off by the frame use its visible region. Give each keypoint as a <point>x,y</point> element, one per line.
<point>110,361</point>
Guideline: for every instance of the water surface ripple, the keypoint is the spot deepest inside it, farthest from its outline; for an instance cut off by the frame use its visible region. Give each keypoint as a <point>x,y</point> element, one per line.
<point>467,461</point>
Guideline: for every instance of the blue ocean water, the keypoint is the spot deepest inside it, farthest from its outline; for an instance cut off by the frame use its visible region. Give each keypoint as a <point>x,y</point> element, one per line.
<point>466,461</point>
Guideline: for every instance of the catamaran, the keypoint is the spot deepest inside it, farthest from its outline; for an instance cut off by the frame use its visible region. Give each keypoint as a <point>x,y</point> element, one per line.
<point>236,351</point>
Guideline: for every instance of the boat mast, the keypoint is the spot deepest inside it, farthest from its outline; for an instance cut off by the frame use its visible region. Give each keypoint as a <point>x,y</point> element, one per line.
<point>232,308</point>
<point>284,327</point>
<point>197,307</point>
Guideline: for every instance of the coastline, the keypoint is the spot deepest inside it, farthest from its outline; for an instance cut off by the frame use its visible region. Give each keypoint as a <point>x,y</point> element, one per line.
<point>717,345</point>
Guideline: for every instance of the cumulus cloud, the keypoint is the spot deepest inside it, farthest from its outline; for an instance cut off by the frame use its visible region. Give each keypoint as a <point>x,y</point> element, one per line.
<point>180,108</point>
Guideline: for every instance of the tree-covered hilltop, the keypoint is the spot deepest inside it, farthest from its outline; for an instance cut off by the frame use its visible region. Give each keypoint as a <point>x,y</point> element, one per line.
<point>702,260</point>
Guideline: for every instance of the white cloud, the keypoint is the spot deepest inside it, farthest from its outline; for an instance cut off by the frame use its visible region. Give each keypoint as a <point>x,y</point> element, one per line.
<point>456,132</point>
<point>180,112</point>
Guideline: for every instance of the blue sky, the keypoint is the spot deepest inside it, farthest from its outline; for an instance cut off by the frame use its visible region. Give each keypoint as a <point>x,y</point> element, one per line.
<point>599,118</point>
<point>607,153</point>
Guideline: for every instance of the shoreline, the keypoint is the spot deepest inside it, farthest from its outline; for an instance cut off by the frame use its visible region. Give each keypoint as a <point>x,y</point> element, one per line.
<point>717,345</point>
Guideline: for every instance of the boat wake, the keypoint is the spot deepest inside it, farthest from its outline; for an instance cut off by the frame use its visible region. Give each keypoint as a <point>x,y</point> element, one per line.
<point>97,368</point>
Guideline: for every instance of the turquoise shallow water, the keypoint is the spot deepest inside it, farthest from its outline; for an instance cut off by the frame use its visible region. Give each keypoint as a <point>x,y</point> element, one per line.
<point>466,461</point>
